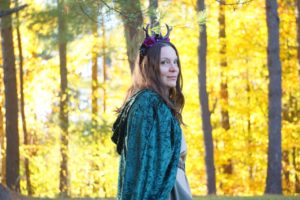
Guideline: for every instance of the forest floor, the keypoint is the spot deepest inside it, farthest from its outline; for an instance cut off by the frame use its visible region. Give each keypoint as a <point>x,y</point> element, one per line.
<point>265,197</point>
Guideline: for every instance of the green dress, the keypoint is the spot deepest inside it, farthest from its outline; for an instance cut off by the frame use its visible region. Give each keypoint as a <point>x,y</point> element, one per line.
<point>148,138</point>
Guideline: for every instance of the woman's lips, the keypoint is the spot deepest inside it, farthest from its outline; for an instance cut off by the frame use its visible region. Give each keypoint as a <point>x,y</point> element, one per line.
<point>172,77</point>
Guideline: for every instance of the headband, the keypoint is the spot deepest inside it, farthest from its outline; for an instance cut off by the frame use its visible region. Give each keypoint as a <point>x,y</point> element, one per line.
<point>149,41</point>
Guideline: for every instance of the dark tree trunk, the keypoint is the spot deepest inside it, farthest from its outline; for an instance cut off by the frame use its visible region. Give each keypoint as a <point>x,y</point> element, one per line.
<point>206,123</point>
<point>274,109</point>
<point>11,102</point>
<point>286,171</point>
<point>6,12</point>
<point>132,18</point>
<point>2,136</point>
<point>64,98</point>
<point>4,193</point>
<point>153,5</point>
<point>22,101</point>
<point>95,51</point>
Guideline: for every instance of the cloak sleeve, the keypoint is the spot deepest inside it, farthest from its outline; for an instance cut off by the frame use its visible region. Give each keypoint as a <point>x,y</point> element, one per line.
<point>151,152</point>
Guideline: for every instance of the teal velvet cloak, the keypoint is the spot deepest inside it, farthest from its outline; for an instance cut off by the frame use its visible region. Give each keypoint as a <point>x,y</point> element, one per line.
<point>148,137</point>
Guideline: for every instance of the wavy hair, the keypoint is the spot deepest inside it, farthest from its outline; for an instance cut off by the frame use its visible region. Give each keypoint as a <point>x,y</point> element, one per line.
<point>146,75</point>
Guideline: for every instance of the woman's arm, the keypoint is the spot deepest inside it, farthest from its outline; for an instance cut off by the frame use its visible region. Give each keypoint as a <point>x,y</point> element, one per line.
<point>152,151</point>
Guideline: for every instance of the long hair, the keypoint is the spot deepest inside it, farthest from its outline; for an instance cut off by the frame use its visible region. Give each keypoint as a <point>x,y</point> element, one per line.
<point>146,75</point>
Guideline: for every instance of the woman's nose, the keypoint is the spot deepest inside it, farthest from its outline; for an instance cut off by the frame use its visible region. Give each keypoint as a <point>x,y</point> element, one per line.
<point>172,67</point>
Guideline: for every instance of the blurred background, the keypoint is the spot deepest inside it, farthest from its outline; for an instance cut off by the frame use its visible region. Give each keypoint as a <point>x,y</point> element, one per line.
<point>67,66</point>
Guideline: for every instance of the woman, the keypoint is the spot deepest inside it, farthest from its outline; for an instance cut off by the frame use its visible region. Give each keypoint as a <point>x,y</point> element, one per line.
<point>147,131</point>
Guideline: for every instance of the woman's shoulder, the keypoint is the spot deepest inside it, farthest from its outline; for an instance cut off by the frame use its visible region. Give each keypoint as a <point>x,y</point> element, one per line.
<point>148,104</point>
<point>148,95</point>
<point>147,98</point>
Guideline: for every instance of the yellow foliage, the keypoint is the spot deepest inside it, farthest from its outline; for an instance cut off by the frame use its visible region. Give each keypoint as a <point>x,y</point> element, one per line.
<point>93,162</point>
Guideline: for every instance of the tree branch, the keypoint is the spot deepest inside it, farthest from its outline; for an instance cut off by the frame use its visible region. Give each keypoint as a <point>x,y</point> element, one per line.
<point>110,8</point>
<point>4,13</point>
<point>238,2</point>
<point>81,5</point>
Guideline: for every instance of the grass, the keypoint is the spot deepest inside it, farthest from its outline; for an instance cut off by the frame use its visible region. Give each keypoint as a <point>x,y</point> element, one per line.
<point>265,197</point>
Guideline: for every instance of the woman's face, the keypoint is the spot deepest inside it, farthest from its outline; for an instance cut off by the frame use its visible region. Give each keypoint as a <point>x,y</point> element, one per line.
<point>169,69</point>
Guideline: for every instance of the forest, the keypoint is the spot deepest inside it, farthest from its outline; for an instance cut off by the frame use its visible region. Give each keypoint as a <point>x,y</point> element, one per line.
<point>66,66</point>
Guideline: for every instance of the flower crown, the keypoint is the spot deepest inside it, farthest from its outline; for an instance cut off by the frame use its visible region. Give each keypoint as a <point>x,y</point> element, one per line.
<point>149,41</point>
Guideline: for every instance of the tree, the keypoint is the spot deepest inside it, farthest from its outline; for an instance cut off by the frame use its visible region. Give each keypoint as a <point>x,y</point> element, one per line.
<point>295,154</point>
<point>223,63</point>
<point>6,12</point>
<point>206,123</point>
<point>132,18</point>
<point>153,5</point>
<point>95,83</point>
<point>64,97</point>
<point>249,127</point>
<point>2,136</point>
<point>22,102</point>
<point>274,106</point>
<point>104,57</point>
<point>227,167</point>
<point>11,101</point>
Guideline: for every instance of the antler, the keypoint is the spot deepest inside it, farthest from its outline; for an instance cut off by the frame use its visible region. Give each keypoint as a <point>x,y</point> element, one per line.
<point>168,32</point>
<point>146,30</point>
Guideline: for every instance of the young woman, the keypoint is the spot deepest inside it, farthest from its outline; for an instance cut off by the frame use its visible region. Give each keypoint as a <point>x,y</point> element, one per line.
<point>147,131</point>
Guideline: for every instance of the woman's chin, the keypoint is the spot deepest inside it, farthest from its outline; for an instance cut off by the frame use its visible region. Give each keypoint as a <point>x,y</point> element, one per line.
<point>171,86</point>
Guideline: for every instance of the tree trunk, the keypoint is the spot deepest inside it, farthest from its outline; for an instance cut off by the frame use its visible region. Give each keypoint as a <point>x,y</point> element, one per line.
<point>223,60</point>
<point>289,114</point>
<point>104,61</point>
<point>286,171</point>
<point>228,166</point>
<point>274,109</point>
<point>95,50</point>
<point>297,169</point>
<point>64,98</point>
<point>2,136</point>
<point>132,18</point>
<point>11,102</point>
<point>206,123</point>
<point>249,131</point>
<point>6,12</point>
<point>153,5</point>
<point>22,102</point>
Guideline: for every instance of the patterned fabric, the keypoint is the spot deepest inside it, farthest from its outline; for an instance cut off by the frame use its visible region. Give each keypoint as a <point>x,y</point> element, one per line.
<point>151,149</point>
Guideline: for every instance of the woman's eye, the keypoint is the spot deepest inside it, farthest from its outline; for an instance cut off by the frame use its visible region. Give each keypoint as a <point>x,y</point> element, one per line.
<point>163,62</point>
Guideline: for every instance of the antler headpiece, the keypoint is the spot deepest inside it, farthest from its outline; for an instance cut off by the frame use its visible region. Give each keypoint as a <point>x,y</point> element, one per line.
<point>153,39</point>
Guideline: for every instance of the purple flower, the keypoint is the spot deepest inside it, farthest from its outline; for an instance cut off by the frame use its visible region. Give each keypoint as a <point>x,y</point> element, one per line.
<point>167,39</point>
<point>149,41</point>
<point>162,39</point>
